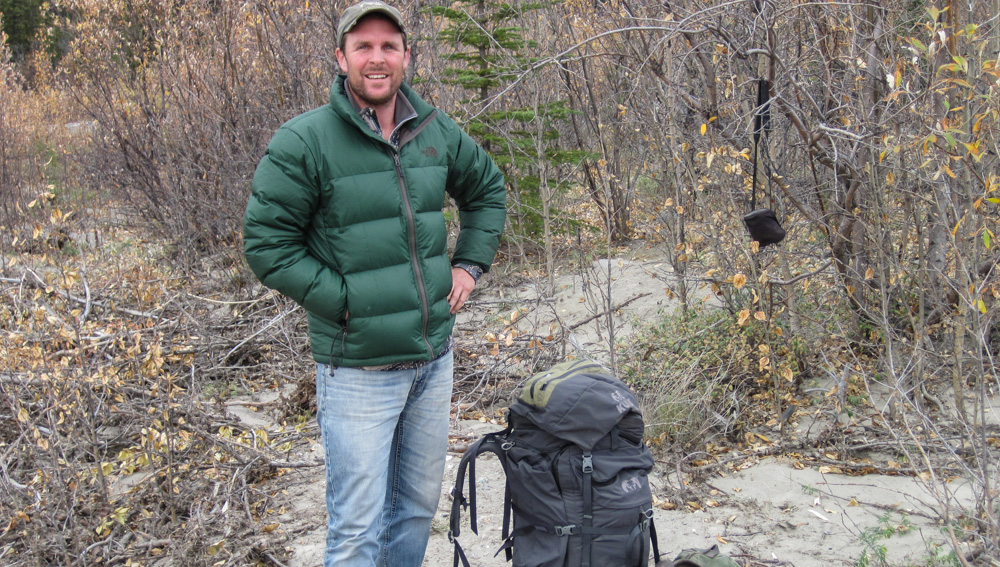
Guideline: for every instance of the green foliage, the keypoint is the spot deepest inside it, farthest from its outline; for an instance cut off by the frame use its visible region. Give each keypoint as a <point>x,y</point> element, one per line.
<point>34,24</point>
<point>709,342</point>
<point>874,553</point>
<point>21,21</point>
<point>489,50</point>
<point>690,368</point>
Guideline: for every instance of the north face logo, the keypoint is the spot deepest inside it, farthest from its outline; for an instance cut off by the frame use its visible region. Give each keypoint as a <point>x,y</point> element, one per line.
<point>430,151</point>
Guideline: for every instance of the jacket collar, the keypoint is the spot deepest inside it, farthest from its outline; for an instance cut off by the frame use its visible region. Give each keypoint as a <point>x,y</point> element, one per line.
<point>342,103</point>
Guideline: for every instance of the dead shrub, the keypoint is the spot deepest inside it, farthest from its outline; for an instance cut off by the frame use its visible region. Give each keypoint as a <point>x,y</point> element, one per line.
<point>186,95</point>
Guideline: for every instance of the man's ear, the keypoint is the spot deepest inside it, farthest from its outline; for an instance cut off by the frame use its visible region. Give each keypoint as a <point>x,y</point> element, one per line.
<point>341,59</point>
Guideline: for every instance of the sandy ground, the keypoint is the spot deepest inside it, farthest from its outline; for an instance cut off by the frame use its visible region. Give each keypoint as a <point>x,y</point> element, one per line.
<point>768,513</point>
<point>772,511</point>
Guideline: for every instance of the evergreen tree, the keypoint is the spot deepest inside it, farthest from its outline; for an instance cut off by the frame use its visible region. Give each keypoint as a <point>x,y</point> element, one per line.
<point>489,52</point>
<point>21,20</point>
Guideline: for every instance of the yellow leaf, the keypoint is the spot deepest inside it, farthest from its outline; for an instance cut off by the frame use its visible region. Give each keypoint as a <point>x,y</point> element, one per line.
<point>739,280</point>
<point>853,502</point>
<point>704,128</point>
<point>787,374</point>
<point>981,305</point>
<point>742,319</point>
<point>270,528</point>
<point>216,547</point>
<point>22,415</point>
<point>514,315</point>
<point>719,537</point>
<point>869,273</point>
<point>760,316</point>
<point>764,349</point>
<point>890,179</point>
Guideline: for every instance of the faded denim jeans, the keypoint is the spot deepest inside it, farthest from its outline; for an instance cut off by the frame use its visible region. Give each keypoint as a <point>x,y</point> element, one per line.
<point>385,435</point>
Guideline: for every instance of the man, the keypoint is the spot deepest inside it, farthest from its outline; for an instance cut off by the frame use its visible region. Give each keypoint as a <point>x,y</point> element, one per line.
<point>345,218</point>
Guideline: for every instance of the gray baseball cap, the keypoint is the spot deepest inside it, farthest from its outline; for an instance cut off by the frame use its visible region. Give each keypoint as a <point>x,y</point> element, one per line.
<point>352,15</point>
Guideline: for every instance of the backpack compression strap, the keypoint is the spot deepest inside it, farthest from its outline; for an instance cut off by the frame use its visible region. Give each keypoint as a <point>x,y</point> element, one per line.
<point>588,506</point>
<point>492,443</point>
<point>587,531</point>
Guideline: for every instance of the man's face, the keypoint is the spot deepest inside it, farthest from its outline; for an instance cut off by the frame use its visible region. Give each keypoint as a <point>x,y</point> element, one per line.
<point>374,57</point>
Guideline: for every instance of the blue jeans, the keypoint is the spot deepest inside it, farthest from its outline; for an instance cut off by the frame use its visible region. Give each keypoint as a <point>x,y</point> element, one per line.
<point>385,435</point>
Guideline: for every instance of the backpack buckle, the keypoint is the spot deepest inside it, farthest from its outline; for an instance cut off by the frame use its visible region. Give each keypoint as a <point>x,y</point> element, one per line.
<point>507,445</point>
<point>567,530</point>
<point>588,463</point>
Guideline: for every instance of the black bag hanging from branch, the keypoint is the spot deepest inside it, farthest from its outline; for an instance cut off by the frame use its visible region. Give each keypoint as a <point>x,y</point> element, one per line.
<point>762,223</point>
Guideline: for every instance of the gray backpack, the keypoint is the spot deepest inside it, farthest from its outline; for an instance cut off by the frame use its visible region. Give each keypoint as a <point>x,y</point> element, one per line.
<point>576,474</point>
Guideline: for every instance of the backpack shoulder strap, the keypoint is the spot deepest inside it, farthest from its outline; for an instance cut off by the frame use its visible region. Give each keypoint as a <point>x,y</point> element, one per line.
<point>489,443</point>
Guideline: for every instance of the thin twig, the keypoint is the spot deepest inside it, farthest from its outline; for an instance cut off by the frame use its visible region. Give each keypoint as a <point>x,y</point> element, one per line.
<point>574,326</point>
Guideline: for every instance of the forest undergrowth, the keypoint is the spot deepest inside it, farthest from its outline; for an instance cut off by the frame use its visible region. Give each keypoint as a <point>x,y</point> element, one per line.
<point>865,343</point>
<point>118,449</point>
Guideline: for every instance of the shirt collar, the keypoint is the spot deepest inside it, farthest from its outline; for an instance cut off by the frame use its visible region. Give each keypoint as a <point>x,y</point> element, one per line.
<point>404,110</point>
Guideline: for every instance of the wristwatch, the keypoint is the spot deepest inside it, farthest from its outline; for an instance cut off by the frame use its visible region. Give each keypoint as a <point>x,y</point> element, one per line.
<point>475,271</point>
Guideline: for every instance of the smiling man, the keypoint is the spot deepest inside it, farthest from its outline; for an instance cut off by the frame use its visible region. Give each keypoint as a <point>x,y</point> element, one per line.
<point>345,218</point>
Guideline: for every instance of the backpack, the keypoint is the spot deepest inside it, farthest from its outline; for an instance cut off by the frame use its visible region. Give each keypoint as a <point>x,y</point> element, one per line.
<point>576,474</point>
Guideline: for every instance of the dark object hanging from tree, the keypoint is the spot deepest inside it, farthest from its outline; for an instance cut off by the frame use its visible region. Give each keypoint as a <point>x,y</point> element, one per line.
<point>762,224</point>
<point>764,227</point>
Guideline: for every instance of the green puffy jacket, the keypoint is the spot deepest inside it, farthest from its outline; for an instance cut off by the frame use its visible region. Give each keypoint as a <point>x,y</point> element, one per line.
<point>342,223</point>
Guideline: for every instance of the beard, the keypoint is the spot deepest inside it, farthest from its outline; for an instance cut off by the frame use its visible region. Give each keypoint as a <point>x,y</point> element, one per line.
<point>365,96</point>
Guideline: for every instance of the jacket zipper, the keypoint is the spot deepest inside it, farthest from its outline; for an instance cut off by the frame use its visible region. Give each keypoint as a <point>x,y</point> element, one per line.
<point>411,233</point>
